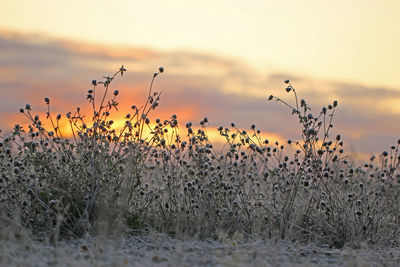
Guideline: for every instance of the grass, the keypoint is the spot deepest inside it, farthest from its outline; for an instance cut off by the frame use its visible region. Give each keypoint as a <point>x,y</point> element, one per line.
<point>163,177</point>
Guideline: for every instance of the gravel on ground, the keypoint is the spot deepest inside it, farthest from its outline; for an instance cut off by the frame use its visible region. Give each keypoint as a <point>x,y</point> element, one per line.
<point>162,250</point>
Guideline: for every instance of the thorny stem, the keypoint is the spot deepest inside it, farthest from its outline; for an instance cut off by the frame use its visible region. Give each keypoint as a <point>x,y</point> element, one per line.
<point>295,95</point>
<point>291,107</point>
<point>145,106</point>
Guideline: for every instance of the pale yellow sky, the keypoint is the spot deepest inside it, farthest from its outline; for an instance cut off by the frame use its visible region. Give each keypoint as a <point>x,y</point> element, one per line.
<point>352,41</point>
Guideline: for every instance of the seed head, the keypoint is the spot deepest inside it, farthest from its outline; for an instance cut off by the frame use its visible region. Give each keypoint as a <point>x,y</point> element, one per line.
<point>122,70</point>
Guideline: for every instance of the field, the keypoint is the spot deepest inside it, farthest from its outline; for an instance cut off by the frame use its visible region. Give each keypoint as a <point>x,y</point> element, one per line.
<point>79,197</point>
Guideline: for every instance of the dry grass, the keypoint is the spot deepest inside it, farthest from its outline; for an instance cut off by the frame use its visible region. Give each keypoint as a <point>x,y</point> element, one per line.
<point>157,176</point>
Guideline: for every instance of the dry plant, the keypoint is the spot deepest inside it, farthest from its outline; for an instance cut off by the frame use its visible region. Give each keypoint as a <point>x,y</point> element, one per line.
<point>150,176</point>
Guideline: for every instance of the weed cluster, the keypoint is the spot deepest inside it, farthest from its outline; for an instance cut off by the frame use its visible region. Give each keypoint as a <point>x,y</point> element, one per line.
<point>147,175</point>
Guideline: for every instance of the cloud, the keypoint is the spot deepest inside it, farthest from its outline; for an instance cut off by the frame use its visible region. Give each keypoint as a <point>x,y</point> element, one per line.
<point>356,91</point>
<point>195,85</point>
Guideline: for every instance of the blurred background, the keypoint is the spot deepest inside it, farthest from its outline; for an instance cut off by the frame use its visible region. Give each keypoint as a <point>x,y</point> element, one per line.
<point>222,60</point>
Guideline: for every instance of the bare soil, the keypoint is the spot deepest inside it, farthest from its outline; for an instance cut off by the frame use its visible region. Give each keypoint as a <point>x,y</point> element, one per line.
<point>162,250</point>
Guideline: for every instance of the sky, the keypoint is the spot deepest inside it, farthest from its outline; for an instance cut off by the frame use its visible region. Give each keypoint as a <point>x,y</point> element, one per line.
<point>222,59</point>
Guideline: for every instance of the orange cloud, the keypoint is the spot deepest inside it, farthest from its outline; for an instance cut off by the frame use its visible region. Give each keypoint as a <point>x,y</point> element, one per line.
<point>127,53</point>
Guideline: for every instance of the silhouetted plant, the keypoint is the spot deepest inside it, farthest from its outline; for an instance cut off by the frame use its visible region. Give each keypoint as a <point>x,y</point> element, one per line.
<point>150,175</point>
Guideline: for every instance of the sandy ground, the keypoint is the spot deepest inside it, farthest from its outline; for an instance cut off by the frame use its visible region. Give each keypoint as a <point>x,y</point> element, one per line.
<point>161,250</point>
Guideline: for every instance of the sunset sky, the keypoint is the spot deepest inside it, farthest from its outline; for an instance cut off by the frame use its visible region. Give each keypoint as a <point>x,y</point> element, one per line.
<point>222,59</point>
